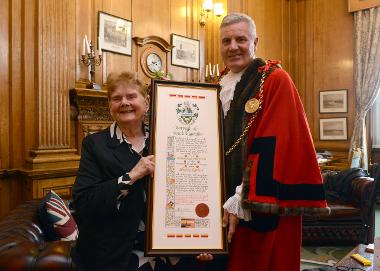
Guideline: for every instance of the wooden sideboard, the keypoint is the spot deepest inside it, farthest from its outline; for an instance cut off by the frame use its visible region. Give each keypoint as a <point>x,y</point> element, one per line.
<point>38,183</point>
<point>89,112</point>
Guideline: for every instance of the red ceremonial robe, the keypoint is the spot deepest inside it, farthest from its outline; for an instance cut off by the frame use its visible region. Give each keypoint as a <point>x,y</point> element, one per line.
<point>282,175</point>
<point>282,178</point>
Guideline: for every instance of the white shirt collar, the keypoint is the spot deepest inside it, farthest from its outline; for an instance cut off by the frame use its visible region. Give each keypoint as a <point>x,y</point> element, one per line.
<point>114,128</point>
<point>228,83</point>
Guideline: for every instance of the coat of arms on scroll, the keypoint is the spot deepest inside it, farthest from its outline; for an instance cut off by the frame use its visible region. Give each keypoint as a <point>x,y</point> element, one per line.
<point>187,113</point>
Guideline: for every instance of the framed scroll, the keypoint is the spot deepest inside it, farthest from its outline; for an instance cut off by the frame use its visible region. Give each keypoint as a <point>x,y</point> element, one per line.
<point>187,191</point>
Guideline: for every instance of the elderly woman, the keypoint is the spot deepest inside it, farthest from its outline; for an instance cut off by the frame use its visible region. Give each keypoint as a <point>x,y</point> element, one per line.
<point>109,192</point>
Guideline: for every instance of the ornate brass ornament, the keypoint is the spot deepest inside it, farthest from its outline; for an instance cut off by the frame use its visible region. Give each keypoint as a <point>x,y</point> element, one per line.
<point>252,105</point>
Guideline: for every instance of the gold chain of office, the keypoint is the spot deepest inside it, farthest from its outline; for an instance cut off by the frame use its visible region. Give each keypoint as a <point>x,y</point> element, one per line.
<point>246,129</point>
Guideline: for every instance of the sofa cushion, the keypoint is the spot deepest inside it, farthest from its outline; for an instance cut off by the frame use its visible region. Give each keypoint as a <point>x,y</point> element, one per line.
<point>342,210</point>
<point>339,211</point>
<point>56,221</point>
<point>338,185</point>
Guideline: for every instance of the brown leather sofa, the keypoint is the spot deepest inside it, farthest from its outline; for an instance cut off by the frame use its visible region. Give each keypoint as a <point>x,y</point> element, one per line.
<point>23,246</point>
<point>352,218</point>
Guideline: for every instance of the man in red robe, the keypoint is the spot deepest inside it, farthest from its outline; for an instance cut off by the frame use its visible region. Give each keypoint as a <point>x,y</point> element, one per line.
<point>272,172</point>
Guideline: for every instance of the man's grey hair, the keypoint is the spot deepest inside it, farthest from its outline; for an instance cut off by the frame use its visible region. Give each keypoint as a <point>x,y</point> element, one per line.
<point>236,17</point>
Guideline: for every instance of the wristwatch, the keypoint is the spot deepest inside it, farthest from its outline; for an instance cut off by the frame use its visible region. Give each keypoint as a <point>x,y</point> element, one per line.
<point>126,177</point>
<point>126,182</point>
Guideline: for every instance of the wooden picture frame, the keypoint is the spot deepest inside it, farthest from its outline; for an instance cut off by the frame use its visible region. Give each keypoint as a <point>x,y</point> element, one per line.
<point>115,34</point>
<point>355,5</point>
<point>333,101</point>
<point>333,129</point>
<point>185,52</point>
<point>187,191</point>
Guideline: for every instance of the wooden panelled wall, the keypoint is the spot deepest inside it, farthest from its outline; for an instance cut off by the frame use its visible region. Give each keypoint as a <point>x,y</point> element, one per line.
<point>150,17</point>
<point>40,45</point>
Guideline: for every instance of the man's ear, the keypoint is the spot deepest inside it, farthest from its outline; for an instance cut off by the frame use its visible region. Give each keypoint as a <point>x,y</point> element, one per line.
<point>255,42</point>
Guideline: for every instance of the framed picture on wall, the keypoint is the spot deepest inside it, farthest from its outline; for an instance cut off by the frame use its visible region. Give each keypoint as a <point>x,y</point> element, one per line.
<point>333,101</point>
<point>185,52</point>
<point>333,129</point>
<point>115,34</point>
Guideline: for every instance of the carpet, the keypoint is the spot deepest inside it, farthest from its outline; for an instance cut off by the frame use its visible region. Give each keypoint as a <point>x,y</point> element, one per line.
<point>315,256</point>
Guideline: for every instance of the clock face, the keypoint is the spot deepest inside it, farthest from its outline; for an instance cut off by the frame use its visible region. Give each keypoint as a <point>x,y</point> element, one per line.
<point>153,62</point>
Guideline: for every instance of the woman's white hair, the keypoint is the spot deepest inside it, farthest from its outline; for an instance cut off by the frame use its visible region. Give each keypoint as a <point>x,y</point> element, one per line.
<point>236,17</point>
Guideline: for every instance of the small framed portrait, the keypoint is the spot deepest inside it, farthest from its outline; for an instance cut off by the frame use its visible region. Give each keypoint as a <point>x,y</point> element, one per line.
<point>115,34</point>
<point>185,52</point>
<point>333,101</point>
<point>333,129</point>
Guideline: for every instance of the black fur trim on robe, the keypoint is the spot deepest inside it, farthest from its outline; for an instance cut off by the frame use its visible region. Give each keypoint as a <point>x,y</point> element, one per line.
<point>235,122</point>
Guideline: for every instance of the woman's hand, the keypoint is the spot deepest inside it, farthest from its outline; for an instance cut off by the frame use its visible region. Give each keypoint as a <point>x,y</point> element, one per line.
<point>143,167</point>
<point>205,257</point>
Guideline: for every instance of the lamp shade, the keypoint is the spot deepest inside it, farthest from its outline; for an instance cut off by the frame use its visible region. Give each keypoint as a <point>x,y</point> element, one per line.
<point>207,5</point>
<point>218,9</point>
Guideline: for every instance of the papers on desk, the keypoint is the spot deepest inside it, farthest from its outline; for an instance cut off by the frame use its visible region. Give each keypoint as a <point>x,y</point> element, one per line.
<point>322,161</point>
<point>324,154</point>
<point>370,248</point>
<point>323,157</point>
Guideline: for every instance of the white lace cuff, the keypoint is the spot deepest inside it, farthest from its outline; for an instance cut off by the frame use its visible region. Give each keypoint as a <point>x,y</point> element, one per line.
<point>233,205</point>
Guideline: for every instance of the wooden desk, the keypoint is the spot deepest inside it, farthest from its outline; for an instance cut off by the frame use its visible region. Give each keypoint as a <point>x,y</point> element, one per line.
<point>347,261</point>
<point>337,164</point>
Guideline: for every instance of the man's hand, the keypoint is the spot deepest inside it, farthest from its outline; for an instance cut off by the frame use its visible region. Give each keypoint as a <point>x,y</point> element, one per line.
<point>205,257</point>
<point>230,220</point>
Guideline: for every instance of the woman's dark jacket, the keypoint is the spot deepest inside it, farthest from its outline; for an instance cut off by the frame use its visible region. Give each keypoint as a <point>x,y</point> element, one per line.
<point>106,231</point>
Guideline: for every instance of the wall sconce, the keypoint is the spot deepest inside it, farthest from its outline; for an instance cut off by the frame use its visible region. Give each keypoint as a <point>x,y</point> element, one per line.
<point>207,7</point>
<point>218,9</point>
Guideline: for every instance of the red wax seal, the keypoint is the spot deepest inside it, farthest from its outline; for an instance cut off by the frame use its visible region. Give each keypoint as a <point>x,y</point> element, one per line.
<point>202,210</point>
